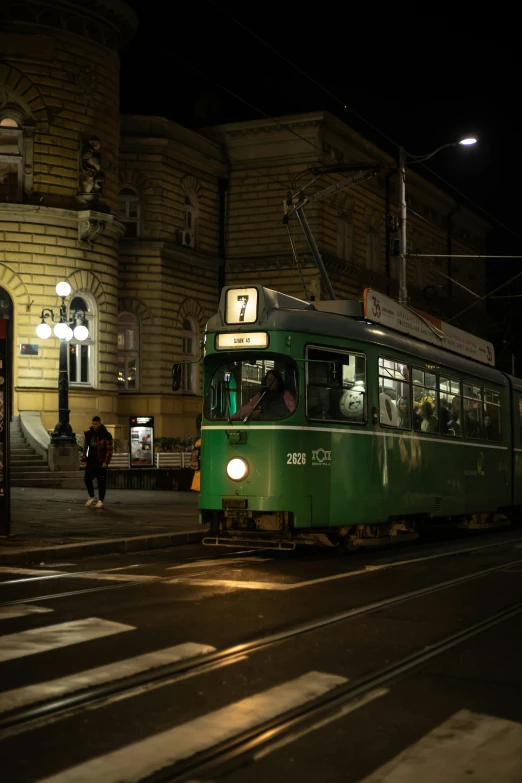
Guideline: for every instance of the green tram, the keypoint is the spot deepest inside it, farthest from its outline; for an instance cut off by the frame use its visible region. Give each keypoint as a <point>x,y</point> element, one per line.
<point>322,425</point>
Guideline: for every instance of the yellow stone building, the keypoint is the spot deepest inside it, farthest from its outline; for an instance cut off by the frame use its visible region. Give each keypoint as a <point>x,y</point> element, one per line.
<point>147,220</point>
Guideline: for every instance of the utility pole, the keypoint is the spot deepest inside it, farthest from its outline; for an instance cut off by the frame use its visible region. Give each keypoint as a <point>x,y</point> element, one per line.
<point>403,271</point>
<point>403,158</point>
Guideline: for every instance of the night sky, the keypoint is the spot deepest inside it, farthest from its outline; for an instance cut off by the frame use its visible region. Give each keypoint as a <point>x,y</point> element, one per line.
<point>442,78</point>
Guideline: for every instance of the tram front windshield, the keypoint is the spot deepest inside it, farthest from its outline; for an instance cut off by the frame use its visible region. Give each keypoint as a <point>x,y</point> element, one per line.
<point>251,387</point>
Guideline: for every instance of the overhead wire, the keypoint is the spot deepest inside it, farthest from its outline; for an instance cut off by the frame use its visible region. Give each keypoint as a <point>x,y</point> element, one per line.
<point>308,141</point>
<point>357,114</point>
<point>486,296</point>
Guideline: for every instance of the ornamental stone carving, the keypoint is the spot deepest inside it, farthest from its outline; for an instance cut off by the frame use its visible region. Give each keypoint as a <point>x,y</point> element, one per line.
<point>92,178</point>
<point>90,229</point>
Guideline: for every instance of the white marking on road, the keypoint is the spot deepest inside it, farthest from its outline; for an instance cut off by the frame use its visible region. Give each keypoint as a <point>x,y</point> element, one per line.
<point>468,746</point>
<point>103,576</point>
<point>8,612</point>
<point>346,710</point>
<point>324,579</point>
<point>237,585</point>
<point>31,694</point>
<point>36,640</point>
<point>27,571</point>
<point>221,561</point>
<point>141,759</point>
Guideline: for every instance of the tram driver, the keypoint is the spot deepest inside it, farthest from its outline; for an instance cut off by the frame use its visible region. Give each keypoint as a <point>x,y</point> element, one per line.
<point>272,402</point>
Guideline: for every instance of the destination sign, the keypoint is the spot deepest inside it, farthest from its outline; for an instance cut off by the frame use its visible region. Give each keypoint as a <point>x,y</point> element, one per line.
<point>226,341</point>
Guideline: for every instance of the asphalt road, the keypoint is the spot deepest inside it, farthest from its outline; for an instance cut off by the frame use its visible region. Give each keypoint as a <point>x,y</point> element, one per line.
<point>199,664</point>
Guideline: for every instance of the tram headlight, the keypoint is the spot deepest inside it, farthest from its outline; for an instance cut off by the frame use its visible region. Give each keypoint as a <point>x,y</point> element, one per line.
<point>237,469</point>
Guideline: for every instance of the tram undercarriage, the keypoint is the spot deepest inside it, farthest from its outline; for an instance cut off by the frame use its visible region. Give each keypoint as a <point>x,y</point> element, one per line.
<point>274,530</point>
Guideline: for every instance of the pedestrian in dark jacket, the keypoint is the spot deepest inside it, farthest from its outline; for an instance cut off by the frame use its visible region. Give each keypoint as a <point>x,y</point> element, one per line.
<point>97,453</point>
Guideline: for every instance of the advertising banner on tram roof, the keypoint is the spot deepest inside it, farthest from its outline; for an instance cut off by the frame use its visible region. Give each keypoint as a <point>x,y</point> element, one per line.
<point>381,309</point>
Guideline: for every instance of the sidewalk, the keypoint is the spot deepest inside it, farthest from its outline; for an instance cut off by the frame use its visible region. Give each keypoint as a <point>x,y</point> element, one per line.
<point>50,523</point>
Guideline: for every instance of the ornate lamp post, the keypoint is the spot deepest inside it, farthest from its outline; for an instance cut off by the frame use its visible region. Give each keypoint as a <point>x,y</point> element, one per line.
<point>404,158</point>
<point>63,439</point>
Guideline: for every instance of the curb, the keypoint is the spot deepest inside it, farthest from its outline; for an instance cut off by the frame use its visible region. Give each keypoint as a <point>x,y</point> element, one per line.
<point>102,546</point>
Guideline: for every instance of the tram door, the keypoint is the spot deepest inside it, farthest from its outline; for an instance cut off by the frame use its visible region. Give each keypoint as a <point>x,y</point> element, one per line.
<point>5,418</point>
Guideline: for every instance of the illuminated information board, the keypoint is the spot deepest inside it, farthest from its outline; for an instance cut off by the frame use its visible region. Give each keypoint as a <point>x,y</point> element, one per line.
<point>230,340</point>
<point>241,306</point>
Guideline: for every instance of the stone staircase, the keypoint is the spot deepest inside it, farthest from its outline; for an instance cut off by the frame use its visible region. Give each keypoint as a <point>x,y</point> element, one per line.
<point>28,469</point>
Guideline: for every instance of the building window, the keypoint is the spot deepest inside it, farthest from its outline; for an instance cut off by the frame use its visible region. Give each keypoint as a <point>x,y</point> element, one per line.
<point>11,158</point>
<point>373,246</point>
<point>190,354</point>
<point>345,239</point>
<point>128,352</point>
<point>82,353</point>
<point>190,219</point>
<point>129,211</point>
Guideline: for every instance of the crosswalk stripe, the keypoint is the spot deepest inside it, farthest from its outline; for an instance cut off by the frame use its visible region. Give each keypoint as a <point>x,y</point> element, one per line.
<point>468,746</point>
<point>32,694</point>
<point>36,640</point>
<point>141,759</point>
<point>8,612</point>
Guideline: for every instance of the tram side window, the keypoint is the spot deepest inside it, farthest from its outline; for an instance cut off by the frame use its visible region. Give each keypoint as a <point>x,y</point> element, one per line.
<point>450,412</point>
<point>520,411</point>
<point>492,417</point>
<point>335,386</point>
<point>472,411</point>
<point>425,401</point>
<point>394,394</point>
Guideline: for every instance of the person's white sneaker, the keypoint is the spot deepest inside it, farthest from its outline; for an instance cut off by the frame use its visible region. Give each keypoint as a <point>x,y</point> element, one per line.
<point>99,504</point>
<point>90,501</point>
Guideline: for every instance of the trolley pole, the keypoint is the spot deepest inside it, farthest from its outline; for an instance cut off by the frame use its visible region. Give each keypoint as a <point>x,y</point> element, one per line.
<point>403,271</point>
<point>315,252</point>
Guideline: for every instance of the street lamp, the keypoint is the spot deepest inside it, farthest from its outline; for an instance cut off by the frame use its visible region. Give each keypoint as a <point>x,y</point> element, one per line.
<point>64,328</point>
<point>404,158</point>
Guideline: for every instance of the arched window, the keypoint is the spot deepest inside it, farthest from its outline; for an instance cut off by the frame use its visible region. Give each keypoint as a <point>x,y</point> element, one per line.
<point>190,354</point>
<point>11,156</point>
<point>128,352</point>
<point>190,220</point>
<point>82,353</point>
<point>129,210</point>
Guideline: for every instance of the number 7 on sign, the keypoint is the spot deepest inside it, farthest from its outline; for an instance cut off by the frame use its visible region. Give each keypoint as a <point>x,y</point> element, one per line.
<point>244,301</point>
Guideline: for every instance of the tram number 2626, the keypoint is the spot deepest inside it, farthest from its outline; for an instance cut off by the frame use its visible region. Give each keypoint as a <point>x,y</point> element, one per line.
<point>296,458</point>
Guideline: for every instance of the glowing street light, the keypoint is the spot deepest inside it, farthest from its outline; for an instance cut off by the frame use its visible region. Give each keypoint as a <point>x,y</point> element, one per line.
<point>64,329</point>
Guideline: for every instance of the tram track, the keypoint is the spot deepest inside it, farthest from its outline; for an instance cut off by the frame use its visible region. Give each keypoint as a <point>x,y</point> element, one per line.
<point>226,557</point>
<point>102,588</point>
<point>66,706</point>
<point>258,742</point>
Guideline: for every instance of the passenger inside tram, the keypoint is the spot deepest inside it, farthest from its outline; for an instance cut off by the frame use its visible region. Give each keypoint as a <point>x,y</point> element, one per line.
<point>273,401</point>
<point>404,420</point>
<point>429,422</point>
